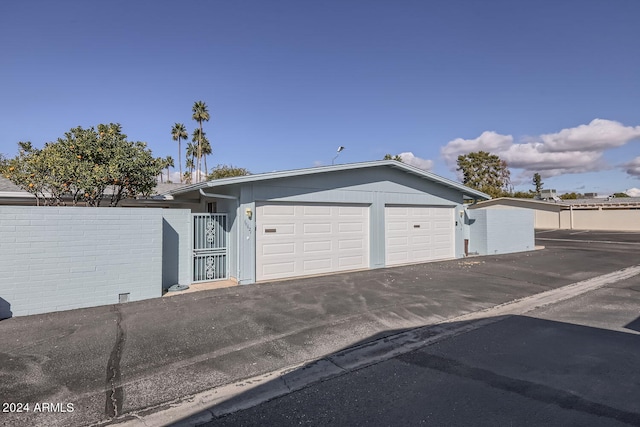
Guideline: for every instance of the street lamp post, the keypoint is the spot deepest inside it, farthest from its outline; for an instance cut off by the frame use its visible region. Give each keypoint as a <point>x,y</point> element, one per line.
<point>339,150</point>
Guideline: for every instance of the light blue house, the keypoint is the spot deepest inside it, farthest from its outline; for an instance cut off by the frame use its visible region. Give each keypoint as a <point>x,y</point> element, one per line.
<point>246,229</point>
<point>321,220</point>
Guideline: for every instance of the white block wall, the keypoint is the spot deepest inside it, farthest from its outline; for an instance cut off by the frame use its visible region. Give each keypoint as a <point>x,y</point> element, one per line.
<point>60,258</point>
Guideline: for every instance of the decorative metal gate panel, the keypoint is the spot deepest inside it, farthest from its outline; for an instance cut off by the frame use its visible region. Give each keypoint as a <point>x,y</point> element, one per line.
<point>210,260</point>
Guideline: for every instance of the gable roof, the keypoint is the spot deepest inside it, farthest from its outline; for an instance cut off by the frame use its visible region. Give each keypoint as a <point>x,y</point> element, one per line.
<point>469,192</point>
<point>10,187</point>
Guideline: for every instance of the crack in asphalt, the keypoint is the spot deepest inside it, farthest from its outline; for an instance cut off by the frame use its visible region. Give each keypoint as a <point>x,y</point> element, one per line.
<point>114,391</point>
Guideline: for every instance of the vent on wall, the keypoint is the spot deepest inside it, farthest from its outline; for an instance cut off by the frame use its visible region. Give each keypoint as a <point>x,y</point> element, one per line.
<point>123,298</point>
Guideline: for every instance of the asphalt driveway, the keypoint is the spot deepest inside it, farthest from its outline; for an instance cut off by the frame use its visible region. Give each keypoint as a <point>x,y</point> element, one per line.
<point>116,360</point>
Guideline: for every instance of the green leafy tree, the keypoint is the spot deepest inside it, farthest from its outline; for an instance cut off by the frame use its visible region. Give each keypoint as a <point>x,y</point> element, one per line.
<point>397,157</point>
<point>485,172</point>
<point>523,195</point>
<point>83,165</point>
<point>537,182</point>
<point>200,114</point>
<point>178,133</point>
<point>571,196</point>
<point>620,195</point>
<point>227,171</point>
<point>28,170</point>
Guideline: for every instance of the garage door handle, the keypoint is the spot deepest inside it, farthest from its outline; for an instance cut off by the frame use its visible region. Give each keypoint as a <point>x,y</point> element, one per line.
<point>416,225</point>
<point>269,230</point>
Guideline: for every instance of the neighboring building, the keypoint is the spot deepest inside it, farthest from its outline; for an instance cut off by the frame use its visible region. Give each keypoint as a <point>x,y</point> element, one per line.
<point>335,218</point>
<point>11,194</point>
<point>615,214</point>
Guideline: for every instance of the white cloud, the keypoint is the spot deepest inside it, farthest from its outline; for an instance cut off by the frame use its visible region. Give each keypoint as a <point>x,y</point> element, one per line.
<point>633,167</point>
<point>633,192</point>
<point>410,159</point>
<point>317,163</point>
<point>572,150</point>
<point>489,141</point>
<point>598,135</point>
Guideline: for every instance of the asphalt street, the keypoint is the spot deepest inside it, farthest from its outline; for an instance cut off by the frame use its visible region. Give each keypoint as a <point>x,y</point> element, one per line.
<point>570,363</point>
<point>127,360</point>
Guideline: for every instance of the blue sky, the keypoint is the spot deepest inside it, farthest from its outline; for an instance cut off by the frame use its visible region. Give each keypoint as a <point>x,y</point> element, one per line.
<point>550,86</point>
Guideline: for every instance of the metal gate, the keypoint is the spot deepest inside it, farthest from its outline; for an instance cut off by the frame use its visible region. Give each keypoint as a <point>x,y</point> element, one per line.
<point>210,260</point>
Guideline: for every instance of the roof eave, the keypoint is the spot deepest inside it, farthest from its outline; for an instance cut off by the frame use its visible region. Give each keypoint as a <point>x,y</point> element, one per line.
<point>323,169</point>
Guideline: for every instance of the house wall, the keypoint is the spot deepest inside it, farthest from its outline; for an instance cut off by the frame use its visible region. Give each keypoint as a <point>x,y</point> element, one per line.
<point>478,231</point>
<point>176,247</point>
<point>375,187</point>
<point>607,219</point>
<point>500,231</point>
<point>60,258</point>
<point>546,220</point>
<point>595,218</point>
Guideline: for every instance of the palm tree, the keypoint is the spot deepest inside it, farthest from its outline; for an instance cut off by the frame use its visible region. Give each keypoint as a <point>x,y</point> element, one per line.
<point>200,114</point>
<point>168,162</point>
<point>190,167</point>
<point>206,151</point>
<point>199,138</point>
<point>191,155</point>
<point>178,133</point>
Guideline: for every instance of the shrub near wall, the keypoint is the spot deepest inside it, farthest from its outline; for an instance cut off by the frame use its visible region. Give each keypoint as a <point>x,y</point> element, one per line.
<point>60,258</point>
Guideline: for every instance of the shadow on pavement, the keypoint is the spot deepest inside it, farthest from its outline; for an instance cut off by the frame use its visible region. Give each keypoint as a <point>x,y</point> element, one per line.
<point>514,369</point>
<point>5,309</point>
<point>634,325</point>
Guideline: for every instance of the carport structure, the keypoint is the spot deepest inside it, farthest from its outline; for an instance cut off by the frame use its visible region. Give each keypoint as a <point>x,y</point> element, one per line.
<point>336,218</point>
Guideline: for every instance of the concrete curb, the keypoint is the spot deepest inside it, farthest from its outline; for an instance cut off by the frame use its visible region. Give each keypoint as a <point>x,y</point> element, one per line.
<point>203,407</point>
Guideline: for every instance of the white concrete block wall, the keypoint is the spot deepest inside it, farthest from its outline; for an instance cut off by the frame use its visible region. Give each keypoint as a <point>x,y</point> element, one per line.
<point>60,258</point>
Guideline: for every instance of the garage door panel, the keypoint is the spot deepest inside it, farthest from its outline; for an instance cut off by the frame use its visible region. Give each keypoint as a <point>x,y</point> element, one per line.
<point>310,211</point>
<point>397,226</point>
<point>346,244</point>
<point>400,257</point>
<point>316,265</point>
<point>424,254</point>
<point>350,262</point>
<point>279,268</point>
<point>327,238</point>
<point>442,239</point>
<point>278,211</point>
<point>420,240</point>
<point>278,249</point>
<point>322,228</point>
<point>321,246</point>
<point>351,227</point>
<point>351,211</point>
<point>418,234</point>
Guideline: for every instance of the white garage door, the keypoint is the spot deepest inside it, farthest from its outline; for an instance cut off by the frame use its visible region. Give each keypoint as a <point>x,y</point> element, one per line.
<point>418,234</point>
<point>305,239</point>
